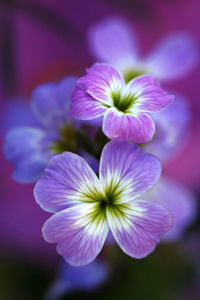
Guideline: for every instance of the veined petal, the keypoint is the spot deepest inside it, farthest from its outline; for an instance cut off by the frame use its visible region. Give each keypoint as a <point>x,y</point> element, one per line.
<point>126,171</point>
<point>80,232</point>
<point>113,40</point>
<point>148,94</point>
<point>101,81</point>
<point>85,107</point>
<point>174,57</point>
<point>67,181</point>
<point>118,126</point>
<point>137,226</point>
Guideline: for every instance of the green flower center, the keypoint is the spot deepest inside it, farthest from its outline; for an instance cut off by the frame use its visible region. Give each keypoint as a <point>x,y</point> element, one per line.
<point>130,74</point>
<point>67,140</point>
<point>115,209</point>
<point>123,103</point>
<point>71,139</point>
<point>106,199</point>
<point>109,197</point>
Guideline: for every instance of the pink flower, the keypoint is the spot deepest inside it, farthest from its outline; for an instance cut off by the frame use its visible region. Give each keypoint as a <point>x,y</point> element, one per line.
<point>125,107</point>
<point>113,40</point>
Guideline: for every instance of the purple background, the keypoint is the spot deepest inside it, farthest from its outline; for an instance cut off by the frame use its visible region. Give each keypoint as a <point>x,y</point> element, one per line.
<point>47,40</point>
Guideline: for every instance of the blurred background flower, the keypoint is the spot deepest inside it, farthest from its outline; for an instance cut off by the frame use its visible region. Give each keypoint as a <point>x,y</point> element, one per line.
<point>69,279</point>
<point>44,41</point>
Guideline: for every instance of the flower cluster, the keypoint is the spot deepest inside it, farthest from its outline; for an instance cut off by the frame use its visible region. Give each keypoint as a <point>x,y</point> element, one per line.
<point>117,117</point>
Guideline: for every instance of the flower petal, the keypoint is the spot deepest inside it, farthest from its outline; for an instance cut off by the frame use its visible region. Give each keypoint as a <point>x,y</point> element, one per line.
<point>148,93</point>
<point>179,201</point>
<point>137,226</point>
<point>68,180</point>
<point>12,114</point>
<point>85,278</point>
<point>172,125</point>
<point>85,107</point>
<point>65,88</point>
<point>174,57</point>
<point>27,149</point>
<point>50,102</point>
<point>80,232</point>
<point>101,81</point>
<point>113,40</point>
<point>122,127</point>
<point>124,165</point>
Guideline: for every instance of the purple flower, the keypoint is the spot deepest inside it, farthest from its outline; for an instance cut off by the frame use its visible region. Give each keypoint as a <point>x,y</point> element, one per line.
<point>125,107</point>
<point>85,278</point>
<point>30,147</point>
<point>13,110</point>
<point>86,207</point>
<point>113,40</point>
<point>172,126</point>
<point>181,203</point>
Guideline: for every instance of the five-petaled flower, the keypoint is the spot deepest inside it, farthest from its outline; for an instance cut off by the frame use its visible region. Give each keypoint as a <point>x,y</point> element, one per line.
<point>113,40</point>
<point>30,147</point>
<point>86,206</point>
<point>125,107</point>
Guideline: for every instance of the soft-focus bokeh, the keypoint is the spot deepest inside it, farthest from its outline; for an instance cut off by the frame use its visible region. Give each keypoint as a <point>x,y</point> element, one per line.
<point>43,41</point>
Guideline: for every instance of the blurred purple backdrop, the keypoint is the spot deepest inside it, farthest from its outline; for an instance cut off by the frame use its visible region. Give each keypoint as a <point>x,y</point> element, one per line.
<point>47,40</point>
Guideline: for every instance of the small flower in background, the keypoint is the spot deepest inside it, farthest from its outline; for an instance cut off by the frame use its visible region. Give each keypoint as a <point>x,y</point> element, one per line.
<point>181,203</point>
<point>12,112</point>
<point>172,128</point>
<point>113,40</point>
<point>85,278</point>
<point>126,108</point>
<point>86,207</point>
<point>30,147</point>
